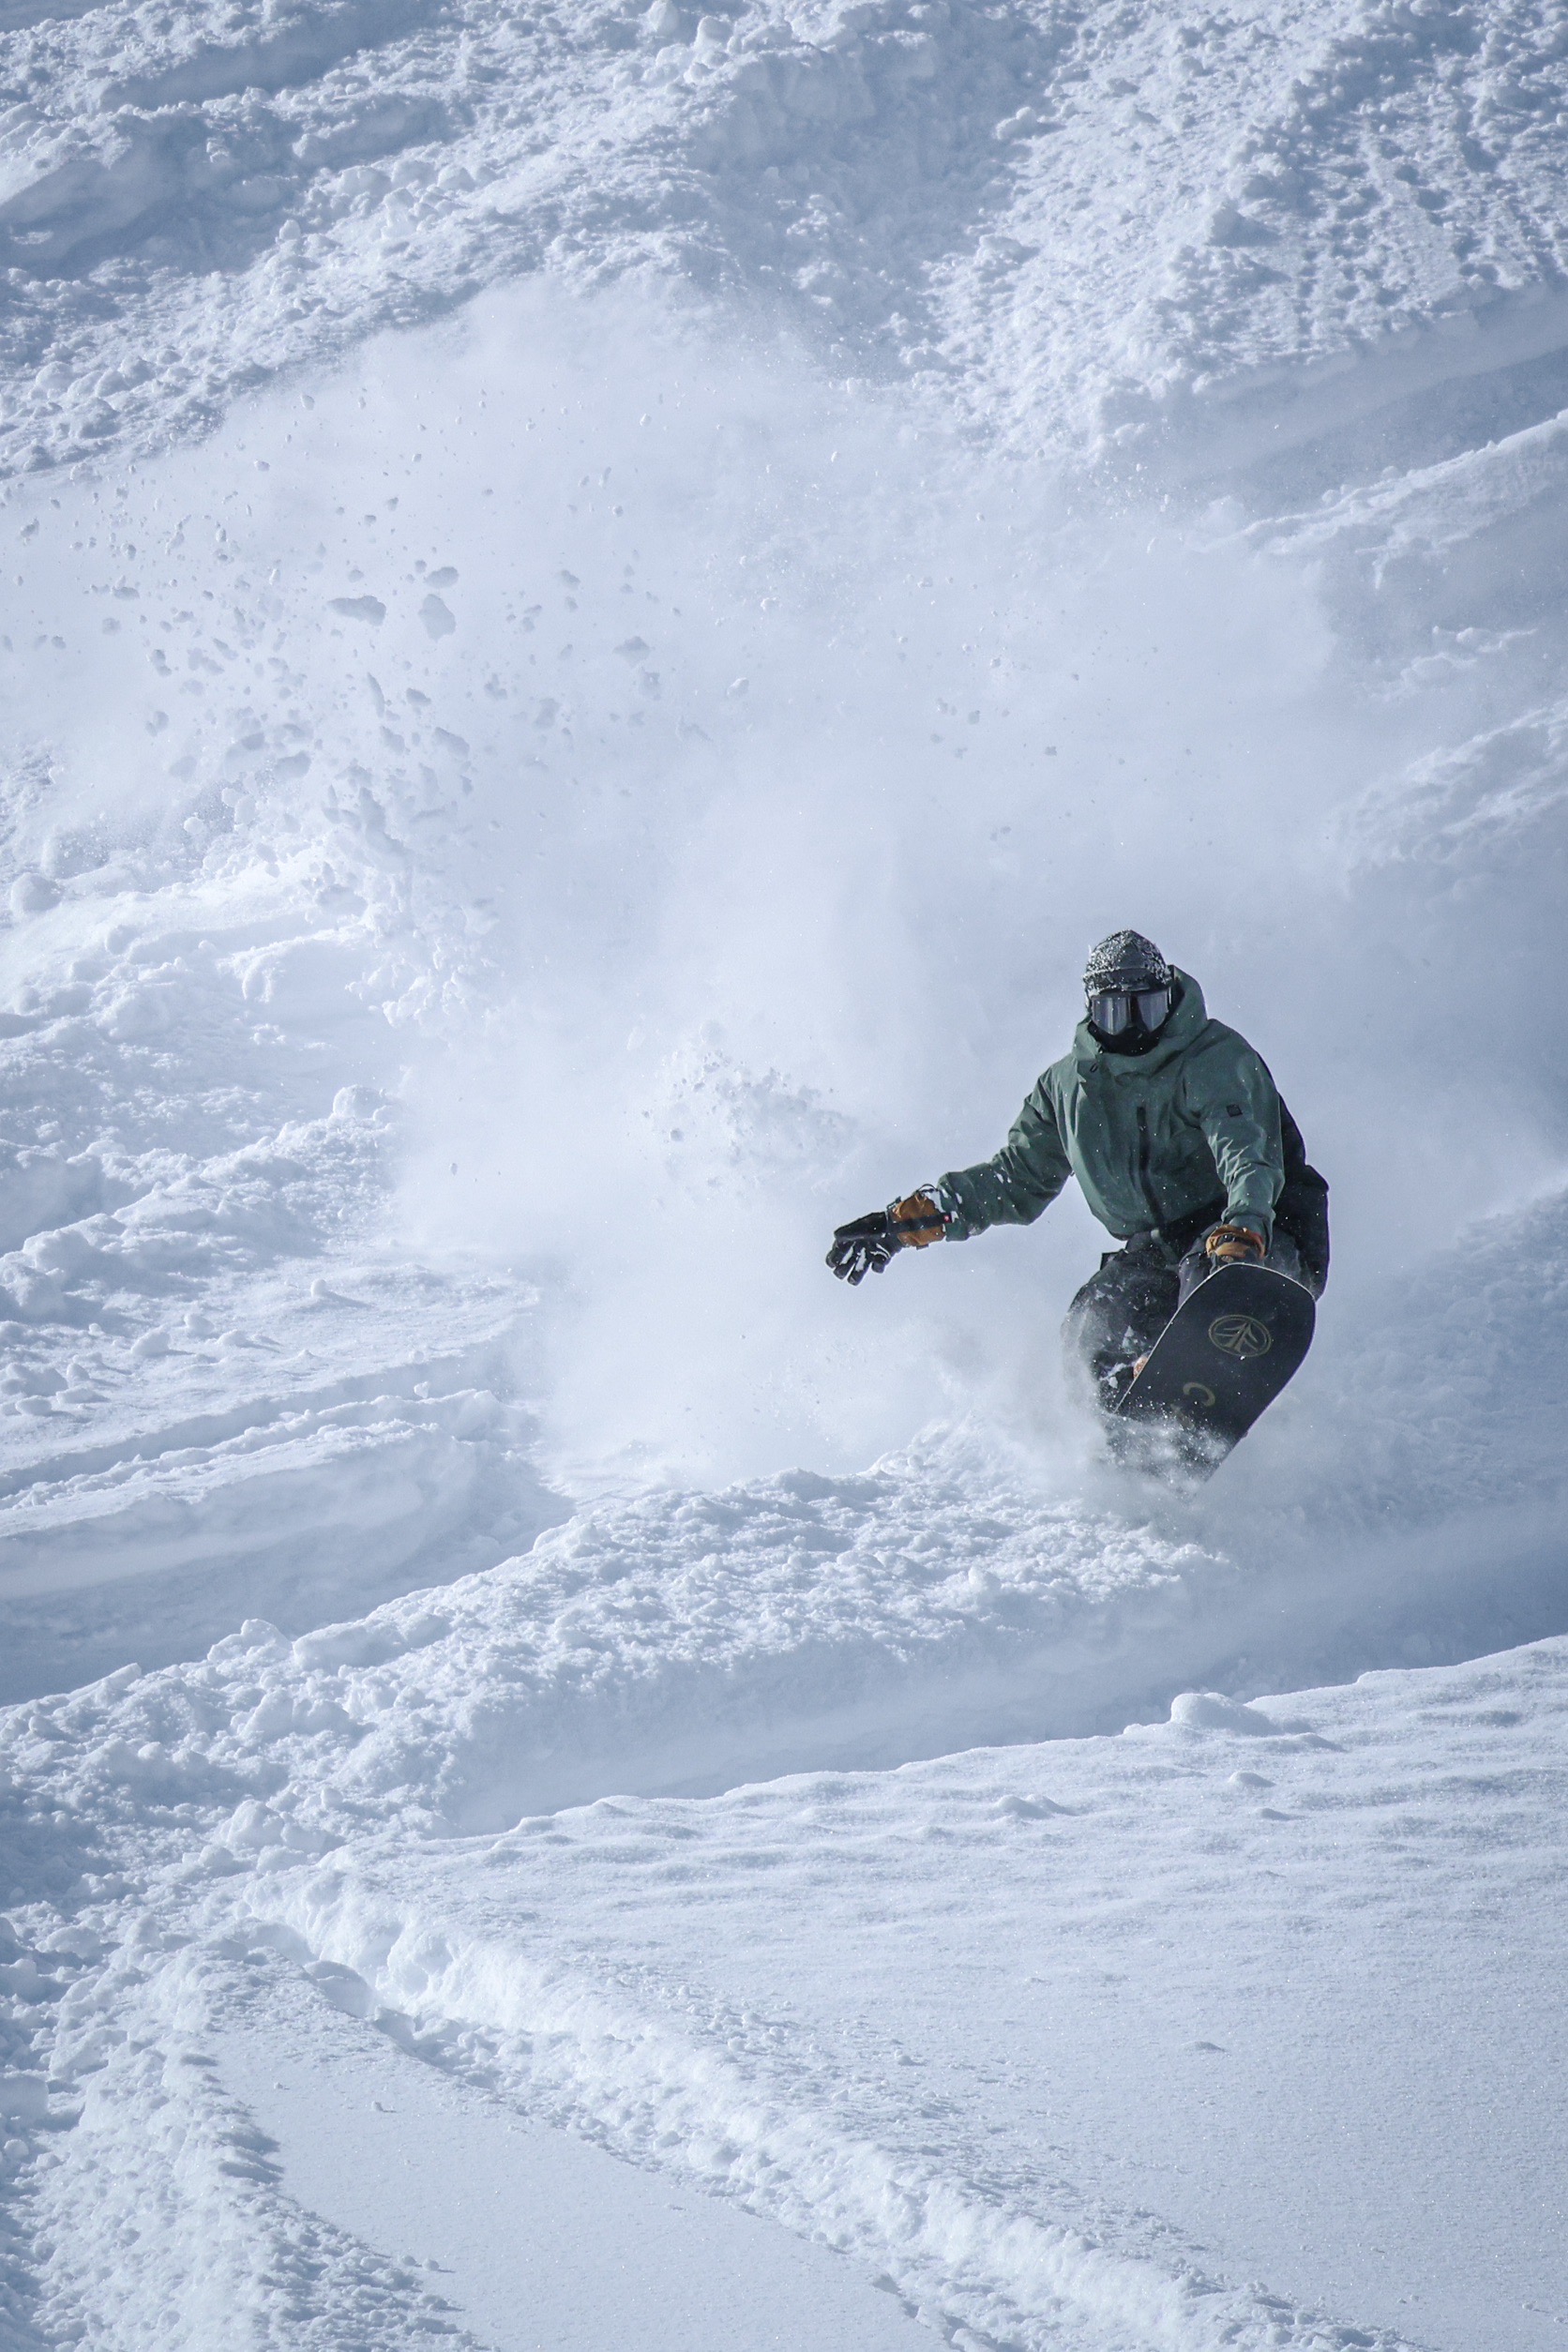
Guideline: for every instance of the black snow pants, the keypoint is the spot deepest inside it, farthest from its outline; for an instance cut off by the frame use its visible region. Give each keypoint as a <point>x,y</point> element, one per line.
<point>1121,1310</point>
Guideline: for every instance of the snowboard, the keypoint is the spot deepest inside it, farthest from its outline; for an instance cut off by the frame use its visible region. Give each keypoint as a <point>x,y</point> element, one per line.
<point>1224,1356</point>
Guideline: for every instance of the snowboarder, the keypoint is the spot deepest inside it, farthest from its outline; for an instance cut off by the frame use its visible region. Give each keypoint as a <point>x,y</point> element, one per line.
<point>1185,1153</point>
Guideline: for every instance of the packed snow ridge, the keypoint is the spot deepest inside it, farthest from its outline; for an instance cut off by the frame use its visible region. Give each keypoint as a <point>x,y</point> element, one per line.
<point>598,608</point>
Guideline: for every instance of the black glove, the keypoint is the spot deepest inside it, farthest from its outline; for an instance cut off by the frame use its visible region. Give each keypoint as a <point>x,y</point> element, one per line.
<point>863,1246</point>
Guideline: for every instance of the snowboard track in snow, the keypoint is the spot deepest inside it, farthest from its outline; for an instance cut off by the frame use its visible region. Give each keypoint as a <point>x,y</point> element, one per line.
<point>420,1942</point>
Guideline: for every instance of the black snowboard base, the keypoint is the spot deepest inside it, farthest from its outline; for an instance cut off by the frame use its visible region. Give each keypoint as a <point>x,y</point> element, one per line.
<point>1222,1359</point>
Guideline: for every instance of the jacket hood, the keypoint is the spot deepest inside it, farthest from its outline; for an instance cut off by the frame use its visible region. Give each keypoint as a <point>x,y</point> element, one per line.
<point>1188,1022</point>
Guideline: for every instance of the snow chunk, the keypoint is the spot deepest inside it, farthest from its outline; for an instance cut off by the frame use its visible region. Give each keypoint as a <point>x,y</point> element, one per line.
<point>32,894</point>
<point>1210,1710</point>
<point>24,2097</point>
<point>253,1827</point>
<point>358,1645</point>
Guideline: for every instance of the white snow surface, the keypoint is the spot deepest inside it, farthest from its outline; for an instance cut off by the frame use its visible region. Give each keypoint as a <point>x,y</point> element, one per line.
<point>598,609</point>
<point>1070,216</point>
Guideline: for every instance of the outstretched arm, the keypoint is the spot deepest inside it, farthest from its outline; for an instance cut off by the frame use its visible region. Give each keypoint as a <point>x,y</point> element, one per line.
<point>1012,1188</point>
<point>1015,1186</point>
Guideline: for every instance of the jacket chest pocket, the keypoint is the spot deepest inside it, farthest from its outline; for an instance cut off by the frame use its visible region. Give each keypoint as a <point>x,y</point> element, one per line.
<point>1167,1151</point>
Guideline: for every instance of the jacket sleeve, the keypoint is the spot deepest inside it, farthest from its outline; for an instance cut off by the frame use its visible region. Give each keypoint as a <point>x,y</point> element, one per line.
<point>1014,1187</point>
<point>1235,1102</point>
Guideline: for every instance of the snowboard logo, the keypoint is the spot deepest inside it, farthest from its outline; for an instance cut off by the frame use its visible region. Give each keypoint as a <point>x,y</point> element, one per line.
<point>1201,1394</point>
<point>1241,1336</point>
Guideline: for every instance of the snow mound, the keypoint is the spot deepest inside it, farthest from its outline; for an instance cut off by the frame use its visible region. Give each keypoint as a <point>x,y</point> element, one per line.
<point>1210,1710</point>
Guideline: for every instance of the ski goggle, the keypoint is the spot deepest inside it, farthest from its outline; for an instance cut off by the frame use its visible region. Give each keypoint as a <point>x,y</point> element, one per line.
<point>1114,1010</point>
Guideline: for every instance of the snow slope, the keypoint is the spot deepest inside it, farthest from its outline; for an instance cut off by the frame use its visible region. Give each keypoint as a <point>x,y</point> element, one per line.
<point>596,609</point>
<point>1058,2041</point>
<point>197,196</point>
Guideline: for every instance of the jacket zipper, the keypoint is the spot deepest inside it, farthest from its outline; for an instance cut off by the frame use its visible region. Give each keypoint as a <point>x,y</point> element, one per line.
<point>1144,1158</point>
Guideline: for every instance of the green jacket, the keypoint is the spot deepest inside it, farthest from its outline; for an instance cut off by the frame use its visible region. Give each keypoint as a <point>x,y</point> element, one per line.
<point>1151,1138</point>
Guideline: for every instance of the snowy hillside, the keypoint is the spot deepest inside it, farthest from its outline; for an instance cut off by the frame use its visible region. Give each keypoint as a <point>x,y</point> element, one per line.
<point>597,609</point>
<point>1066,220</point>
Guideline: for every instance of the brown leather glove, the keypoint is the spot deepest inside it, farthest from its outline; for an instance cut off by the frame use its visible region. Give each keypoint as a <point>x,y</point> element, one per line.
<point>916,1222</point>
<point>1235,1245</point>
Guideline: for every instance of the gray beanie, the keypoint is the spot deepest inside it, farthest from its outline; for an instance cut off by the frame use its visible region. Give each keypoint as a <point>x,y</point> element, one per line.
<point>1125,960</point>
